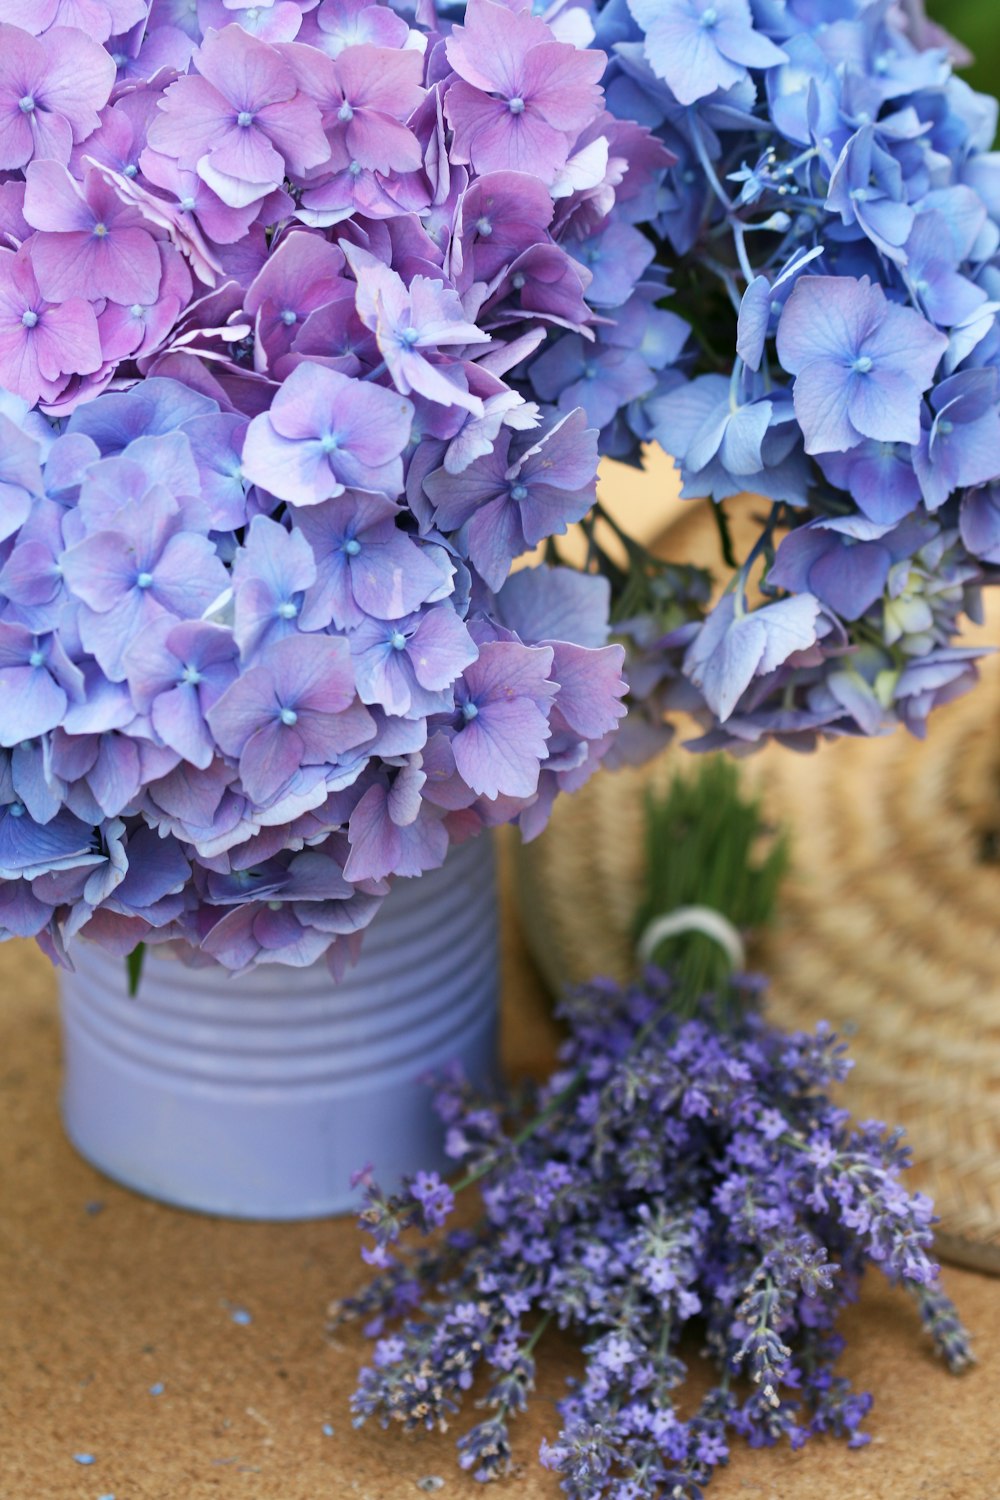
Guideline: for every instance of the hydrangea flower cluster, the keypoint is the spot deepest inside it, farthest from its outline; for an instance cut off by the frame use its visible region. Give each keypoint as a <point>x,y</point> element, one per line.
<point>460,182</point>
<point>830,224</point>
<point>673,1171</point>
<point>314,316</point>
<point>269,276</point>
<point>226,721</point>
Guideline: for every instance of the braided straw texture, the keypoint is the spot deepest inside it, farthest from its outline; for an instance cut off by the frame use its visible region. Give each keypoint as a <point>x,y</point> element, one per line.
<point>889,927</point>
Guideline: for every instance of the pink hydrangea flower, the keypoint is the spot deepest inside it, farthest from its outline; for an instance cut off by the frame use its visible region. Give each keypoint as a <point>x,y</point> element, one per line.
<point>90,244</point>
<point>365,96</point>
<point>243,122</point>
<point>41,343</point>
<point>138,328</point>
<point>98,19</point>
<point>337,24</point>
<point>303,273</point>
<point>200,207</point>
<point>412,324</point>
<point>522,98</point>
<point>51,89</point>
<point>276,22</point>
<point>269,620</point>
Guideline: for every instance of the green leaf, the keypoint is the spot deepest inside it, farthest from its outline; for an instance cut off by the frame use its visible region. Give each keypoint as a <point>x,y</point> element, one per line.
<point>133,967</point>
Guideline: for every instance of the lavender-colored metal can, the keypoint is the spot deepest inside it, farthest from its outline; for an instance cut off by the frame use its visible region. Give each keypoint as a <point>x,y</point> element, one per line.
<point>257,1097</point>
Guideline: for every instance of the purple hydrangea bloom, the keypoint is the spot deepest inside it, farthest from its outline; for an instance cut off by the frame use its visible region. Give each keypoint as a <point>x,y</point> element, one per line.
<point>37,683</point>
<point>20,478</point>
<point>698,46</point>
<point>100,17</point>
<point>393,829</point>
<point>503,215</point>
<point>366,565</point>
<point>151,568</point>
<point>29,850</point>
<point>326,432</point>
<point>843,562</point>
<point>410,325</point>
<point>932,257</point>
<point>271,574</point>
<point>828,182</point>
<point>599,377</point>
<point>861,363</point>
<point>501,721</point>
<point>409,666</point>
<point>370,93</point>
<point>736,645</point>
<point>959,447</point>
<point>303,274</point>
<point>217,449</point>
<point>152,408</point>
<point>370,297</point>
<point>310,902</point>
<point>865,190</point>
<point>145,565</point>
<point>508,503</point>
<point>184,669</point>
<point>199,214</point>
<point>42,343</point>
<point>294,707</point>
<point>879,478</point>
<point>980,523</point>
<point>351,23</point>
<point>615,259</point>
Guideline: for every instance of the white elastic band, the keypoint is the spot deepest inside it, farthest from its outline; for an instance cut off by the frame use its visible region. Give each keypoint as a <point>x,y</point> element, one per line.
<point>704,919</point>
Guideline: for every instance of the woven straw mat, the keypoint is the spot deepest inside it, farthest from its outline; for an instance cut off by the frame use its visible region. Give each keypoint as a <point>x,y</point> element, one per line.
<point>889,925</point>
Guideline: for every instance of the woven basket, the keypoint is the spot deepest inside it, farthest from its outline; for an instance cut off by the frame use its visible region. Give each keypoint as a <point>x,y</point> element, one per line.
<point>889,924</point>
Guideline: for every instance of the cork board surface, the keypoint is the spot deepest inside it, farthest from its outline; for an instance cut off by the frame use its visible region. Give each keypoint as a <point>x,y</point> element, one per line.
<point>104,1297</point>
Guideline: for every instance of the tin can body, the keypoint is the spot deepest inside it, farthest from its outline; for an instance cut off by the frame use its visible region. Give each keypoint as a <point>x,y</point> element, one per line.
<point>258,1096</point>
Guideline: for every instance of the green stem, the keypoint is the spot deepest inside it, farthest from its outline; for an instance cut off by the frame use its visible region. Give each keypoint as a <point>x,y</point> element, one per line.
<point>540,1328</point>
<point>725,535</point>
<point>525,1134</point>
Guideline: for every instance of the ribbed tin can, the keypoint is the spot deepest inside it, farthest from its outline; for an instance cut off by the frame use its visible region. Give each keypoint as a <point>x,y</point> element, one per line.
<point>257,1097</point>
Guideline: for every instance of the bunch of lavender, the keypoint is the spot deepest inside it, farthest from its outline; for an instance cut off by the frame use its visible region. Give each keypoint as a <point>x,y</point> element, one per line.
<point>830,226</point>
<point>683,1171</point>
